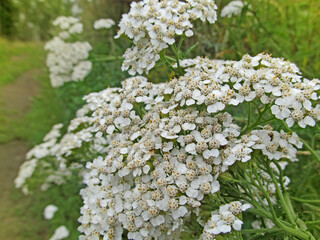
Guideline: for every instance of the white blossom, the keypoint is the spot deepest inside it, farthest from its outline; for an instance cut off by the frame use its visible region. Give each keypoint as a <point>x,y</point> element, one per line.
<point>49,211</point>
<point>60,233</point>
<point>153,26</point>
<point>232,8</point>
<point>67,61</point>
<point>103,24</point>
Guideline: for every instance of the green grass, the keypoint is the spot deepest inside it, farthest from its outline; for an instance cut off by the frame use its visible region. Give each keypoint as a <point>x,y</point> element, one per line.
<point>18,57</point>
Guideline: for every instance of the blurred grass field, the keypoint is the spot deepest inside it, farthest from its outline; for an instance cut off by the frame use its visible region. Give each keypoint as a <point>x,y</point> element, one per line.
<point>17,57</point>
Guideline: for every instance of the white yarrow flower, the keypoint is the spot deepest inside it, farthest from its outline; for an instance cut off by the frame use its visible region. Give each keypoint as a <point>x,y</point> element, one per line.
<point>49,211</point>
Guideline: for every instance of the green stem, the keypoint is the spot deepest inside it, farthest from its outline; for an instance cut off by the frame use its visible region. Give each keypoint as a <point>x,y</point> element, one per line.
<point>313,222</point>
<point>180,42</point>
<point>281,197</point>
<point>261,230</point>
<point>286,204</point>
<point>266,195</point>
<point>176,53</point>
<point>257,107</point>
<point>254,189</point>
<point>285,193</point>
<point>294,231</point>
<point>257,122</point>
<point>166,59</point>
<point>249,113</point>
<point>239,236</point>
<point>305,200</point>
<point>107,58</point>
<point>170,58</point>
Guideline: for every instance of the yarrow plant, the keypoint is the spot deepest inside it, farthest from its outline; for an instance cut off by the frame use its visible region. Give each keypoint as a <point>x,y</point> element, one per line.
<point>67,59</point>
<point>103,24</point>
<point>233,8</point>
<point>68,26</point>
<point>153,26</point>
<point>169,144</point>
<point>64,148</point>
<point>60,233</point>
<point>178,160</point>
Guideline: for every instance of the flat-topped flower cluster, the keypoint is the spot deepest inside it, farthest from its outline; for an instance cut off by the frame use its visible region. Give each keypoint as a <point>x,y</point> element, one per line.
<point>66,59</point>
<point>153,26</point>
<point>154,151</point>
<point>58,151</point>
<point>155,157</point>
<point>223,219</point>
<point>168,144</point>
<point>68,26</point>
<point>271,80</point>
<point>103,23</point>
<point>232,8</point>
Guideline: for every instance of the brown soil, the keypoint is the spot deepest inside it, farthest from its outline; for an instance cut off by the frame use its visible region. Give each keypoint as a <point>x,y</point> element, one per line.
<point>17,58</point>
<point>15,103</point>
<point>16,97</point>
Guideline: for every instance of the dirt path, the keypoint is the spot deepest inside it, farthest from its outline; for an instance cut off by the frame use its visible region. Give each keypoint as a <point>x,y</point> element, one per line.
<point>15,103</point>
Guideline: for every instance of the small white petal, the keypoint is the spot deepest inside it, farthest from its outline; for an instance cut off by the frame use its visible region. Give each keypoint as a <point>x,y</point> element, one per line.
<point>309,121</point>
<point>237,224</point>
<point>190,102</point>
<point>290,122</point>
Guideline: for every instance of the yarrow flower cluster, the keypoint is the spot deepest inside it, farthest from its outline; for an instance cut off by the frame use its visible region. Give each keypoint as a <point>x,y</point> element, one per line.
<point>153,26</point>
<point>154,157</point>
<point>25,171</point>
<point>103,24</point>
<point>67,61</point>
<point>62,147</point>
<point>60,233</point>
<point>232,8</point>
<point>223,220</point>
<point>49,211</point>
<point>271,80</point>
<point>68,26</point>
<point>168,144</point>
<point>162,147</point>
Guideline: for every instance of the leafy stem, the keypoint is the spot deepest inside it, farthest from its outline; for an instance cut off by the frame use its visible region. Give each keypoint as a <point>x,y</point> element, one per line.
<point>259,121</point>
<point>280,195</point>
<point>106,58</point>
<point>176,50</point>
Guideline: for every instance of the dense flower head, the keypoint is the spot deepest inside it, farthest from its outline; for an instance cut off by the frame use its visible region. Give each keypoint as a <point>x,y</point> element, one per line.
<point>25,171</point>
<point>68,26</point>
<point>49,211</point>
<point>271,80</point>
<point>155,151</point>
<point>60,233</point>
<point>224,220</point>
<point>232,8</point>
<point>154,158</point>
<point>168,144</point>
<point>153,26</point>
<point>67,61</point>
<point>64,146</point>
<point>103,24</point>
